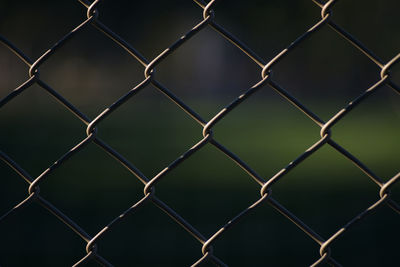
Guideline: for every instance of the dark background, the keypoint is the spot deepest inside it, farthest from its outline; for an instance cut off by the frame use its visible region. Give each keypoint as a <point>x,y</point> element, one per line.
<point>325,73</point>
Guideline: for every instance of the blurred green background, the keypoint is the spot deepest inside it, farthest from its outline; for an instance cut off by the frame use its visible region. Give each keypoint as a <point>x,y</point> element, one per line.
<point>324,73</point>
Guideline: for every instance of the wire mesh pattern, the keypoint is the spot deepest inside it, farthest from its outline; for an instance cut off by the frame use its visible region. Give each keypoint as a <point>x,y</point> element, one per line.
<point>266,184</point>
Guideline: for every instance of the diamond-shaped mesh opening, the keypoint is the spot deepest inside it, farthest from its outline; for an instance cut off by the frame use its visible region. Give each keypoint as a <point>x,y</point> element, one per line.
<point>343,191</point>
<point>373,124</point>
<point>325,191</point>
<point>92,82</point>
<point>36,129</point>
<point>207,72</point>
<point>209,194</point>
<point>266,131</point>
<point>325,81</point>
<point>92,188</point>
<point>150,130</point>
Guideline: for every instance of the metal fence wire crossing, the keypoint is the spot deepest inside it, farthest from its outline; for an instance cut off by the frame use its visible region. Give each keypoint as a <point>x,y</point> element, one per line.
<point>266,184</point>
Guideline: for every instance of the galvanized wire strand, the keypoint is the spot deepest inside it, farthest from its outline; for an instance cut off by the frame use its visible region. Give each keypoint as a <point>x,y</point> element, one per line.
<point>188,110</point>
<point>33,188</point>
<point>91,243</point>
<point>148,71</point>
<point>17,91</point>
<point>251,172</point>
<point>266,184</point>
<point>57,164</point>
<point>176,162</point>
<point>356,43</point>
<point>206,246</point>
<point>35,196</point>
<point>231,38</point>
<point>294,163</point>
<point>92,125</point>
<point>293,45</point>
<point>206,129</point>
<point>394,86</point>
<point>177,218</point>
<point>68,105</point>
<point>367,52</point>
<point>139,57</point>
<point>35,66</point>
<point>78,147</point>
<point>88,257</point>
<point>385,190</point>
<point>12,164</point>
<point>356,162</point>
<point>292,100</point>
<point>221,114</point>
<point>294,219</point>
<point>64,218</point>
<point>184,38</point>
<point>102,261</point>
<point>33,79</point>
<point>325,246</point>
<point>19,206</point>
<point>332,121</point>
<point>120,159</point>
<point>325,127</point>
<point>21,55</point>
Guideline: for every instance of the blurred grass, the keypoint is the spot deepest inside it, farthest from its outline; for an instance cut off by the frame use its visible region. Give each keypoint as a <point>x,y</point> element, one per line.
<point>208,189</point>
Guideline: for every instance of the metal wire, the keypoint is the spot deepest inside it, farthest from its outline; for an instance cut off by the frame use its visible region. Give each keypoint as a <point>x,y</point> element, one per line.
<point>266,184</point>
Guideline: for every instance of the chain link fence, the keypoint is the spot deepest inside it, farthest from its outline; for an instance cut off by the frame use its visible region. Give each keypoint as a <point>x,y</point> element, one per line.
<point>266,184</point>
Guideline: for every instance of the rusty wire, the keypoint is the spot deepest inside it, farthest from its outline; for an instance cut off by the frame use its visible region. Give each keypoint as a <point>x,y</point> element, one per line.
<point>266,183</point>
